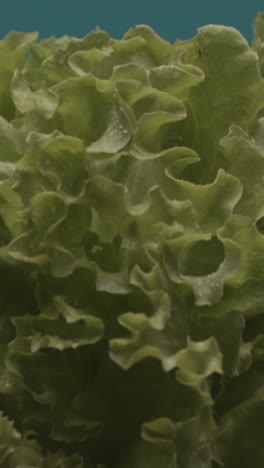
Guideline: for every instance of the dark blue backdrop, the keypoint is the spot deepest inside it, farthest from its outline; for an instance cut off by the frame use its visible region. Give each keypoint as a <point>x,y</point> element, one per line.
<point>172,19</point>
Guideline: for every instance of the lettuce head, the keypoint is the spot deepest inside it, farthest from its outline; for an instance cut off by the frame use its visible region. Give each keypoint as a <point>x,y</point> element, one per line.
<point>132,250</point>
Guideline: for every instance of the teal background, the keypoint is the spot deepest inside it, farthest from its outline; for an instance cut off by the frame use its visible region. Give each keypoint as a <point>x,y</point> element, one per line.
<point>172,19</point>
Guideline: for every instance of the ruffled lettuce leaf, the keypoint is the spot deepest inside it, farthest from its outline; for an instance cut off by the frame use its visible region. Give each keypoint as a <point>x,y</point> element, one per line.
<point>131,250</point>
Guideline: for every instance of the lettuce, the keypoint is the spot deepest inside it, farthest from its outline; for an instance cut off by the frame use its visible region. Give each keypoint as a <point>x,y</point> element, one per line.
<point>132,250</point>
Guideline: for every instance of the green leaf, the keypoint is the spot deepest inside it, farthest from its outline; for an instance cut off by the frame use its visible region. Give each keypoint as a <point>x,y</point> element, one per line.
<point>60,460</point>
<point>13,48</point>
<point>131,250</point>
<point>9,438</point>
<point>59,327</point>
<point>12,143</point>
<point>160,49</point>
<point>25,100</point>
<point>242,425</point>
<point>212,213</point>
<point>176,79</point>
<point>95,98</point>
<point>208,284</point>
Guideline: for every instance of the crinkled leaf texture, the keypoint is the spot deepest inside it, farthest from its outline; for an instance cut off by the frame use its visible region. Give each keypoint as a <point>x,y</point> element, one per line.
<point>132,250</point>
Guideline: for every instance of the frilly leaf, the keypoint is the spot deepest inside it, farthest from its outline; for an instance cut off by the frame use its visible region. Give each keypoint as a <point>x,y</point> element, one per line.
<point>207,288</point>
<point>46,209</point>
<point>43,100</point>
<point>59,327</point>
<point>213,202</point>
<point>9,438</point>
<point>160,49</point>
<point>148,335</point>
<point>199,359</point>
<point>189,441</point>
<point>109,134</point>
<point>11,207</point>
<point>12,142</point>
<point>239,230</point>
<point>147,141</point>
<point>244,157</point>
<point>176,79</point>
